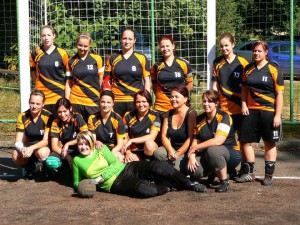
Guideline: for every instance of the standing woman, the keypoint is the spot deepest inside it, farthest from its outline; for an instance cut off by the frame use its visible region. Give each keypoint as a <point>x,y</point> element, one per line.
<point>64,131</point>
<point>107,126</point>
<point>48,64</point>
<point>262,102</point>
<point>167,73</point>
<point>142,126</point>
<point>228,70</point>
<point>128,72</point>
<point>214,148</point>
<point>87,75</point>
<point>177,130</point>
<point>32,132</point>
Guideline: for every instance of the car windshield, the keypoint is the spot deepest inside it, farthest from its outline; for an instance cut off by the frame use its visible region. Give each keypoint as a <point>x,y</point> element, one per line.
<point>285,49</point>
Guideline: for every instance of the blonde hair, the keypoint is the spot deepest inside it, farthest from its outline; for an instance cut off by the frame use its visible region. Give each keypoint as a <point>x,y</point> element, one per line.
<point>85,36</point>
<point>86,136</point>
<point>48,27</point>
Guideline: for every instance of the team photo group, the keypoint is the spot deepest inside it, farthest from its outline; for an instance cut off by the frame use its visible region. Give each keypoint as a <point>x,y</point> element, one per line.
<point>92,120</point>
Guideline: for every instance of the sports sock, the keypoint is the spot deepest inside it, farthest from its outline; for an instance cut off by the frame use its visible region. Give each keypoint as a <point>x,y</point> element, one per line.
<point>269,167</point>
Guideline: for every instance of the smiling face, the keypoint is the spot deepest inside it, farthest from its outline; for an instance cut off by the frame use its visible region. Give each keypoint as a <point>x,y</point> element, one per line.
<point>226,46</point>
<point>166,48</point>
<point>106,104</point>
<point>64,114</point>
<point>83,46</point>
<point>47,37</point>
<point>177,99</point>
<point>128,40</point>
<point>84,148</point>
<point>36,103</point>
<point>141,104</point>
<point>208,105</point>
<point>259,54</point>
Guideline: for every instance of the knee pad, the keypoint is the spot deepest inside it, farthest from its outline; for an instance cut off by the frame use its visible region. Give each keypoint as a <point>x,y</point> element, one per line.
<point>53,162</point>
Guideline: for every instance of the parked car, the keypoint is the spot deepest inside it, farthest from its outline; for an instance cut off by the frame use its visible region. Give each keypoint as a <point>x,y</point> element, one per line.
<point>279,54</point>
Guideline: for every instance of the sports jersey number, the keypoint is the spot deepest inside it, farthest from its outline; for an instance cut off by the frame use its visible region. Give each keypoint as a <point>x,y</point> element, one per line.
<point>275,133</point>
<point>177,74</point>
<point>90,67</point>
<point>264,79</point>
<point>236,74</point>
<point>111,135</point>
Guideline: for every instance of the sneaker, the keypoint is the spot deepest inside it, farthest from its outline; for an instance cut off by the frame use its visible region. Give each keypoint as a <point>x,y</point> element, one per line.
<point>223,187</point>
<point>268,180</point>
<point>197,187</point>
<point>250,177</point>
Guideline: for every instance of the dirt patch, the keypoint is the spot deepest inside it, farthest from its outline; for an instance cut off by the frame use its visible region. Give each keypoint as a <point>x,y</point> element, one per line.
<point>31,202</point>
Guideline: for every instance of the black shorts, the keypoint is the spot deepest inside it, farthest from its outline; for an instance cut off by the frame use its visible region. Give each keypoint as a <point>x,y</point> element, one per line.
<point>51,108</point>
<point>259,124</point>
<point>122,107</point>
<point>237,121</point>
<point>85,111</point>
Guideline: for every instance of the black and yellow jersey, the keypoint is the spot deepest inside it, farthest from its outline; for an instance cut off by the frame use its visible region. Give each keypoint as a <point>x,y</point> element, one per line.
<point>165,77</point>
<point>108,133</point>
<point>262,85</point>
<point>229,79</point>
<point>33,131</point>
<point>85,76</point>
<point>50,69</point>
<point>66,133</point>
<point>126,74</point>
<point>221,125</point>
<point>138,128</point>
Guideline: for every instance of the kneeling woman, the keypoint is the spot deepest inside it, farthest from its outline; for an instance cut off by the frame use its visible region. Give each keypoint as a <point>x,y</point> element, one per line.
<point>214,143</point>
<point>131,179</point>
<point>107,126</point>
<point>142,126</point>
<point>64,131</point>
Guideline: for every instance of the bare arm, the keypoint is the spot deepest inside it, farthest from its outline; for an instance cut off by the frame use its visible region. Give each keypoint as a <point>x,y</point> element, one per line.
<point>278,108</point>
<point>215,85</point>
<point>68,87</point>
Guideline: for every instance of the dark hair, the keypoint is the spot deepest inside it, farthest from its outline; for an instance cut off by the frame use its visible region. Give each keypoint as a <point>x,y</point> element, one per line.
<point>63,102</point>
<point>264,45</point>
<point>108,93</point>
<point>48,27</point>
<point>130,29</point>
<point>212,95</point>
<point>229,36</point>
<point>145,94</point>
<point>85,36</point>
<point>167,37</point>
<point>37,93</point>
<point>183,91</point>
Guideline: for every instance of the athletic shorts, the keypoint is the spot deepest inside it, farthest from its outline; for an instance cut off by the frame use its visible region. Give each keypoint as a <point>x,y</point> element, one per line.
<point>51,108</point>
<point>85,111</point>
<point>122,107</point>
<point>259,124</point>
<point>237,121</point>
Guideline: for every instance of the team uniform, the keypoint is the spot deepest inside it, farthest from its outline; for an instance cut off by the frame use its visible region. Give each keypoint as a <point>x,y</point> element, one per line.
<point>85,90</point>
<point>261,85</point>
<point>33,131</point>
<point>136,128</point>
<point>110,132</point>
<point>68,133</point>
<point>216,157</point>
<point>126,78</point>
<point>130,179</point>
<point>50,69</point>
<point>229,79</point>
<point>177,138</point>
<point>165,77</point>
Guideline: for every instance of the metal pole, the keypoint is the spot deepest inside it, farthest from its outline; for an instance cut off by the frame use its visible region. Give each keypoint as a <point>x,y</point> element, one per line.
<point>152,33</point>
<point>23,46</point>
<point>292,60</point>
<point>211,38</point>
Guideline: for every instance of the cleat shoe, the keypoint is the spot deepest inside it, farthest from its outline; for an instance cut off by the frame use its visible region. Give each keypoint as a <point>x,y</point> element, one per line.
<point>224,186</point>
<point>268,180</point>
<point>198,187</point>
<point>27,174</point>
<point>38,167</point>
<point>250,177</point>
